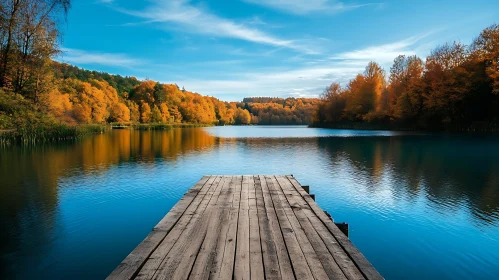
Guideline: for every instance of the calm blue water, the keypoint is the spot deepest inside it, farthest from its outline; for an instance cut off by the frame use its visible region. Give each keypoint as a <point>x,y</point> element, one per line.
<point>419,206</point>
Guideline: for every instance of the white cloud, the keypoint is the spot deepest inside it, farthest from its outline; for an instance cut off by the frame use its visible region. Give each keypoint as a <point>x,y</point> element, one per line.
<point>306,81</point>
<point>307,6</point>
<point>76,56</point>
<point>197,20</point>
<point>382,54</point>
<point>309,77</point>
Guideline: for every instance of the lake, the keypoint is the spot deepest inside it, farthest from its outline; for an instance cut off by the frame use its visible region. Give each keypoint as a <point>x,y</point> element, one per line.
<point>419,206</point>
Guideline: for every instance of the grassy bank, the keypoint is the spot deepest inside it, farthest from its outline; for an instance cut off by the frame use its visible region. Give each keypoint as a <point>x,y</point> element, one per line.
<point>23,122</point>
<point>54,132</point>
<point>49,132</point>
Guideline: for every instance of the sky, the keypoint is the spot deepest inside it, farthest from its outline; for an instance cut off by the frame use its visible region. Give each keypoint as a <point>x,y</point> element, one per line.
<point>232,49</point>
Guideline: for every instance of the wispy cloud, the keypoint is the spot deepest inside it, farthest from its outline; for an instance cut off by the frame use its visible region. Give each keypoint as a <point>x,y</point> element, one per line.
<point>305,81</point>
<point>307,77</point>
<point>302,7</point>
<point>385,53</point>
<point>197,20</point>
<point>82,57</point>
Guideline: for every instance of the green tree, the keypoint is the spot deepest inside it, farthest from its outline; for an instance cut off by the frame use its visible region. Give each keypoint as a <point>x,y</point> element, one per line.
<point>156,115</point>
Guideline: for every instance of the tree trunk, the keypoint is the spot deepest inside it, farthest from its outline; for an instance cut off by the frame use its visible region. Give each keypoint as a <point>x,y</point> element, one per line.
<point>5,54</point>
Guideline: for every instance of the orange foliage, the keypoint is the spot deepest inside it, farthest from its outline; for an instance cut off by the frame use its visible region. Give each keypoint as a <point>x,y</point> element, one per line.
<point>145,112</point>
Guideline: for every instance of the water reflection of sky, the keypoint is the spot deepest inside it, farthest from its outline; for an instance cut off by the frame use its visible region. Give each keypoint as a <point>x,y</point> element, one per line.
<point>290,132</point>
<point>419,206</point>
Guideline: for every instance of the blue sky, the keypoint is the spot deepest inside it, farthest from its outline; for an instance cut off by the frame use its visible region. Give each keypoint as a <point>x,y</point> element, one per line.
<point>236,48</point>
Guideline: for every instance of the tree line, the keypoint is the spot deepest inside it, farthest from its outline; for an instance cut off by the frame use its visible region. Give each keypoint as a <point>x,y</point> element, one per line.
<point>280,111</point>
<point>35,89</point>
<point>457,86</point>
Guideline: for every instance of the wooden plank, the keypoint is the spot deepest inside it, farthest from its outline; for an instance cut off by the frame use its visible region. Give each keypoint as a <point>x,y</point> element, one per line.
<point>303,257</point>
<point>242,265</point>
<point>298,261</point>
<point>360,261</point>
<point>285,267</point>
<point>210,249</point>
<point>179,261</point>
<point>298,205</point>
<point>174,214</point>
<point>256,261</point>
<point>227,263</point>
<point>133,262</point>
<point>242,227</point>
<point>270,260</point>
<point>195,209</point>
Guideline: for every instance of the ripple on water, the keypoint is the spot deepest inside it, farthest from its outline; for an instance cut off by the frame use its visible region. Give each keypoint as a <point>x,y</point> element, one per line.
<point>416,209</point>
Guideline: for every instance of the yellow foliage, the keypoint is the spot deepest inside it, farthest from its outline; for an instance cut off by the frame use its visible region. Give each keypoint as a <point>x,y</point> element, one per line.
<point>145,112</point>
<point>59,105</point>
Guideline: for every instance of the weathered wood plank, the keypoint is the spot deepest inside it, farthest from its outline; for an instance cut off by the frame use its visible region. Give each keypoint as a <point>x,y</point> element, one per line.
<point>242,265</point>
<point>133,262</point>
<point>222,234</point>
<point>360,261</point>
<point>194,210</point>
<point>179,260</point>
<point>204,263</point>
<point>174,214</point>
<point>246,227</point>
<point>269,254</point>
<point>291,236</point>
<point>256,261</point>
<point>227,263</point>
<point>314,261</point>
<point>285,267</point>
<point>298,205</point>
<point>298,260</point>
<point>341,258</point>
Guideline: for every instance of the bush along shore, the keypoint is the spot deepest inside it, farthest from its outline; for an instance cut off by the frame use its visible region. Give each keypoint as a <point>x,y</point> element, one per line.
<point>55,132</point>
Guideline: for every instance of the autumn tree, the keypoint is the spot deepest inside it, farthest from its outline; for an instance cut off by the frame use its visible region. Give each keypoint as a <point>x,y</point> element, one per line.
<point>165,113</point>
<point>405,91</point>
<point>145,112</point>
<point>445,82</point>
<point>242,116</point>
<point>333,104</point>
<point>134,111</point>
<point>28,39</point>
<point>156,115</point>
<point>119,112</point>
<point>144,92</point>
<point>486,48</point>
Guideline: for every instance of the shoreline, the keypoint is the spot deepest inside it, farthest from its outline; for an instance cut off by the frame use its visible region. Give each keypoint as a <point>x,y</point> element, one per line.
<point>63,132</point>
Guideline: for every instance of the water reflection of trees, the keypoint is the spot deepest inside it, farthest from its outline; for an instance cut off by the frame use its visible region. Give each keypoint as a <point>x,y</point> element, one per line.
<point>29,178</point>
<point>449,170</point>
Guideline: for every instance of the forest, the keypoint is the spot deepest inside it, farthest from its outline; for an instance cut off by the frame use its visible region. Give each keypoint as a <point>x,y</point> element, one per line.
<point>89,97</point>
<point>456,87</point>
<point>37,92</point>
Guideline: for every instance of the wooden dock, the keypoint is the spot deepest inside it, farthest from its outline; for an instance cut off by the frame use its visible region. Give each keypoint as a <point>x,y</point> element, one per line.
<point>246,227</point>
